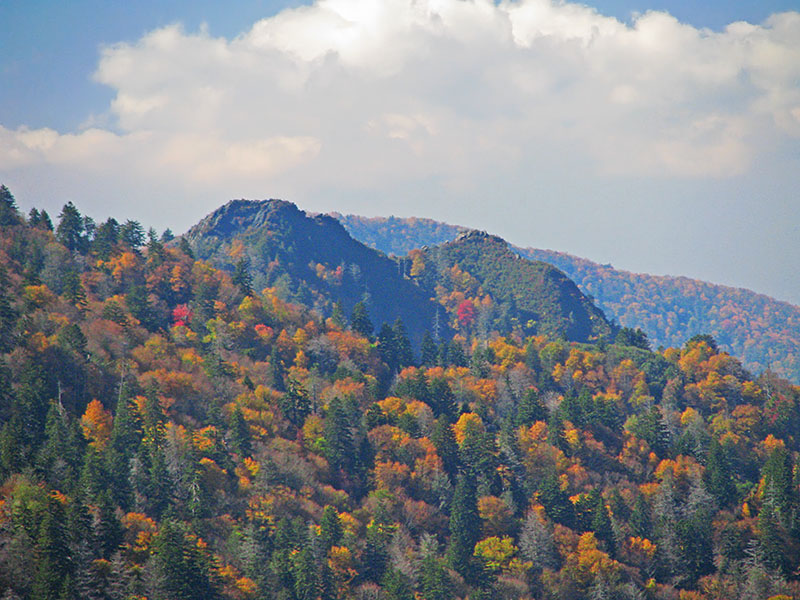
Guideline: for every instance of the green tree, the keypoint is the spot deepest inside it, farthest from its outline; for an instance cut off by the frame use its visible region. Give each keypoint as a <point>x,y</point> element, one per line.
<point>637,338</point>
<point>429,351</point>
<point>242,278</point>
<point>444,440</point>
<point>442,399</point>
<point>530,409</point>
<point>397,586</point>
<point>240,433</point>
<point>307,585</point>
<point>181,571</point>
<point>71,230</point>
<point>556,502</point>
<point>403,351</point>
<point>434,583</point>
<point>8,208</point>
<point>8,315</point>
<point>330,528</point>
<point>359,321</point>
<point>465,525</point>
<point>338,436</point>
<point>641,521</point>
<point>123,446</point>
<point>132,234</point>
<point>105,238</point>
<point>718,475</point>
<point>52,565</point>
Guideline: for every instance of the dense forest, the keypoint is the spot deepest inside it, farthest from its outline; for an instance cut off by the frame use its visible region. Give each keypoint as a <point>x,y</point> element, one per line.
<point>170,431</point>
<point>762,332</point>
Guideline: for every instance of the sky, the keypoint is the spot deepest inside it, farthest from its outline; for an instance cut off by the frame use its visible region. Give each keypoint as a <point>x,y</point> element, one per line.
<point>660,137</point>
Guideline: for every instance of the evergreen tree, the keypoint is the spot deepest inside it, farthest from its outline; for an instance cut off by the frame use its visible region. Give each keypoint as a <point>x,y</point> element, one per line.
<point>434,584</point>
<point>185,247</point>
<point>240,433</point>
<point>126,436</point>
<point>718,476</point>
<point>444,440</point>
<point>696,546</point>
<point>601,522</point>
<point>359,321</point>
<point>387,348</point>
<point>59,458</point>
<point>294,403</point>
<point>465,526</point>
<point>338,316</point>
<point>242,277</point>
<point>34,218</point>
<point>108,531</point>
<point>277,370</point>
<point>442,399</point>
<point>640,520</point>
<point>338,436</point>
<point>530,409</point>
<point>330,526</point>
<point>132,234</point>
<point>397,586</point>
<point>71,230</point>
<point>8,315</point>
<point>156,254</point>
<point>307,585</point>
<point>376,549</point>
<point>181,571</point>
<point>8,208</point>
<point>403,351</point>
<point>637,338</point>
<point>429,351</point>
<point>105,238</point>
<point>52,565</point>
<point>139,305</point>
<point>556,502</point>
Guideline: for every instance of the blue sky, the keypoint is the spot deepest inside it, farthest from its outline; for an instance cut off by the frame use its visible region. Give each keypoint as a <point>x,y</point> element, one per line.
<point>644,140</point>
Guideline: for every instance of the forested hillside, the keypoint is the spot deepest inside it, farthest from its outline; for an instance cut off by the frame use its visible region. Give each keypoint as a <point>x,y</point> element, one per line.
<point>486,288</point>
<point>311,260</point>
<point>168,431</point>
<point>763,332</point>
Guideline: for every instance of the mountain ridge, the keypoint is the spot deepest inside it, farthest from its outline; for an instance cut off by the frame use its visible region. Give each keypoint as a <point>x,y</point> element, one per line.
<point>316,262</point>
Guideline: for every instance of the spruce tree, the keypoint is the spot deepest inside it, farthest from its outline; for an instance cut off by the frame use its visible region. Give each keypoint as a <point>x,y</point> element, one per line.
<point>530,409</point>
<point>359,321</point>
<point>8,315</point>
<point>465,525</point>
<point>52,554</point>
<point>8,208</point>
<point>444,440</point>
<point>71,228</point>
<point>434,584</point>
<point>718,476</point>
<point>330,528</point>
<point>242,277</point>
<point>403,352</point>
<point>429,352</point>
<point>240,433</point>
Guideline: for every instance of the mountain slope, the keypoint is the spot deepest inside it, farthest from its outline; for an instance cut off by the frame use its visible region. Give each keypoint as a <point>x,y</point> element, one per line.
<point>311,260</point>
<point>530,296</point>
<point>762,331</point>
<point>164,433</point>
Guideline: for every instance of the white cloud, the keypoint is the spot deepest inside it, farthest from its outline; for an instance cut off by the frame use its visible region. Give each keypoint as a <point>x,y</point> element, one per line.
<point>367,94</point>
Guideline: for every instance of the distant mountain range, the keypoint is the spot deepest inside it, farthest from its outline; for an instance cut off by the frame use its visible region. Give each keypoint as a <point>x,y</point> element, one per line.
<point>763,332</point>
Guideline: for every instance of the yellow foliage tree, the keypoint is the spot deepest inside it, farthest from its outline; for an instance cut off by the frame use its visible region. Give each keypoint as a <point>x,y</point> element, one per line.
<point>96,424</point>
